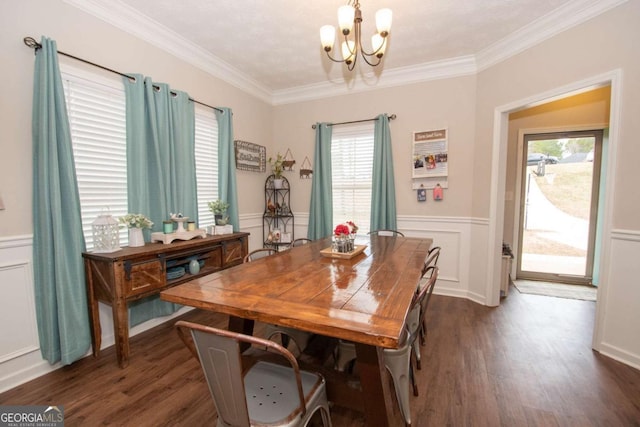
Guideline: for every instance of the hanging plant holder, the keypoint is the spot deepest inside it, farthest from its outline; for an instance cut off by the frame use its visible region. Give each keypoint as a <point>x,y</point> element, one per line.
<point>288,162</point>
<point>305,169</point>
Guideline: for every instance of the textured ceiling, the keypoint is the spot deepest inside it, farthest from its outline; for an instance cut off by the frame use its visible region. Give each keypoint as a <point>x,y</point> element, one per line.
<point>276,43</point>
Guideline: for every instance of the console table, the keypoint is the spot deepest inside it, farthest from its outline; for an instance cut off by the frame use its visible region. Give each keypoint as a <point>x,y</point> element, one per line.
<point>133,273</point>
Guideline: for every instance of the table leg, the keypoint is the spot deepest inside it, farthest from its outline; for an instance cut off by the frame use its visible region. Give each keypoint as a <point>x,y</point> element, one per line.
<point>243,326</point>
<point>94,312</point>
<point>121,331</point>
<point>376,390</point>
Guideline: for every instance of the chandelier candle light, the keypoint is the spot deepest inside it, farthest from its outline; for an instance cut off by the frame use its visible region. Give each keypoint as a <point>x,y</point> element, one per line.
<point>350,20</point>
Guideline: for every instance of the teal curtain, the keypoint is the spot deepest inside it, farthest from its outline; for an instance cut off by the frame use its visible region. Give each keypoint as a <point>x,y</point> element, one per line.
<point>383,191</point>
<point>58,242</point>
<point>227,187</point>
<point>321,208</point>
<point>161,173</point>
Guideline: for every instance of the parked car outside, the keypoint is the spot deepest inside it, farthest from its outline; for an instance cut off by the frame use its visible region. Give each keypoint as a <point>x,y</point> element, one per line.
<point>535,158</point>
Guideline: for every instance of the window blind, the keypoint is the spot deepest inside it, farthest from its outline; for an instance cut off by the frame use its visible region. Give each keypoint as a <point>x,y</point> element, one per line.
<point>206,151</point>
<point>352,170</point>
<point>97,119</point>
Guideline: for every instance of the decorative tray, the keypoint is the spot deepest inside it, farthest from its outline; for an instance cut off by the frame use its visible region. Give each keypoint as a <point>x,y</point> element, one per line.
<point>328,252</point>
<point>177,235</point>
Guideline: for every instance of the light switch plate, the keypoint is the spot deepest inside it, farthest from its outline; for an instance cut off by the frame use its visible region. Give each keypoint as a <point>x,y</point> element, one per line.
<point>1,204</point>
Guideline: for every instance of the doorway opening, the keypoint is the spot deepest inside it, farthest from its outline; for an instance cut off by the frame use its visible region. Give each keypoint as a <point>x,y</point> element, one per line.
<point>559,206</point>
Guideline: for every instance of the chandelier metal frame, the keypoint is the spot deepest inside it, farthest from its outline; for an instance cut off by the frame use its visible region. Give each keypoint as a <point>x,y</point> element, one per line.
<point>351,48</point>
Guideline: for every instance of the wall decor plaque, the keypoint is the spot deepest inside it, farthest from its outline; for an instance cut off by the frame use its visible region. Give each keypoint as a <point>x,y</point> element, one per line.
<point>250,157</point>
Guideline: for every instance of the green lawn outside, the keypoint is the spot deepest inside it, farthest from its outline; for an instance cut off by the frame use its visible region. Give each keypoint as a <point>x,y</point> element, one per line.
<point>568,187</point>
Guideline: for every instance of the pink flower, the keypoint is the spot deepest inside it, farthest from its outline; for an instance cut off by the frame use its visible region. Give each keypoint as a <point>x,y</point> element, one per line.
<point>341,229</point>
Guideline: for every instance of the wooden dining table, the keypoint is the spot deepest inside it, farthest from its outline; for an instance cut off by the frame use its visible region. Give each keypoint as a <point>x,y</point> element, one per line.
<point>364,299</point>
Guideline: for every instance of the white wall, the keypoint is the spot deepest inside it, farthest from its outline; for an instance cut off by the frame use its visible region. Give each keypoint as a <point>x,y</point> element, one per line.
<point>463,223</point>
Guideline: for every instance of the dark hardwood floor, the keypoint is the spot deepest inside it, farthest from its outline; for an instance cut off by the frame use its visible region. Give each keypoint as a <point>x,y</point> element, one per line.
<point>526,363</point>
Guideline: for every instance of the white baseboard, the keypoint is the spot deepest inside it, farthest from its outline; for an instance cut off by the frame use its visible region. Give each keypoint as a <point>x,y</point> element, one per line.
<point>620,355</point>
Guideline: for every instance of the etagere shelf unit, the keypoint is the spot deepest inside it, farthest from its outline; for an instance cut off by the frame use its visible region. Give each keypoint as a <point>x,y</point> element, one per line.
<point>277,220</point>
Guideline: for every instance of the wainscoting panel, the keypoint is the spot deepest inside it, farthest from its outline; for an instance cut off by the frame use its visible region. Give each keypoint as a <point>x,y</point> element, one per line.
<point>20,358</point>
<point>454,236</point>
<point>620,337</point>
<point>463,274</point>
<point>252,224</point>
<point>18,309</point>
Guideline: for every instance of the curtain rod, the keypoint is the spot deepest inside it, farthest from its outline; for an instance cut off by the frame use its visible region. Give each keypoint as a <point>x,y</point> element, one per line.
<point>391,117</point>
<point>32,43</point>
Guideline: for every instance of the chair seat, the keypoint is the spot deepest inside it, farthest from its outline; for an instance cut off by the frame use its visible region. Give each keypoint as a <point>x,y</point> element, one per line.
<point>257,394</point>
<point>272,393</point>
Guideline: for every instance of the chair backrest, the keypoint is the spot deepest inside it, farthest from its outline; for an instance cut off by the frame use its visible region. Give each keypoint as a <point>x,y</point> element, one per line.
<point>219,353</point>
<point>431,260</point>
<point>421,301</point>
<point>386,232</point>
<point>301,241</point>
<point>259,253</point>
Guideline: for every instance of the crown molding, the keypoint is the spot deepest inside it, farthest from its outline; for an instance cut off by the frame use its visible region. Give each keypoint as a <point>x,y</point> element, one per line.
<point>563,18</point>
<point>448,68</point>
<point>129,20</point>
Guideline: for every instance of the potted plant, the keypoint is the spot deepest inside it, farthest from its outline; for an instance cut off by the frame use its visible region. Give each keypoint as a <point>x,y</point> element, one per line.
<point>135,223</point>
<point>219,209</point>
<point>277,168</point>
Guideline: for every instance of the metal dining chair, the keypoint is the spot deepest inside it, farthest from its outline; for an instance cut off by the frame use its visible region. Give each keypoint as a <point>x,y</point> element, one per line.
<point>263,394</point>
<point>299,242</point>
<point>300,338</point>
<point>398,361</point>
<point>431,260</point>
<point>386,232</point>
<point>259,253</point>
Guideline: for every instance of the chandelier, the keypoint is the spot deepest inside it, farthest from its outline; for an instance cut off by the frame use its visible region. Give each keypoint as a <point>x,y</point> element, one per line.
<point>350,20</point>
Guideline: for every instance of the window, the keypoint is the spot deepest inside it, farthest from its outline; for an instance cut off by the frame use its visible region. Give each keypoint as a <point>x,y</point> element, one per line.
<point>352,170</point>
<point>206,162</point>
<point>97,119</point>
<point>96,107</point>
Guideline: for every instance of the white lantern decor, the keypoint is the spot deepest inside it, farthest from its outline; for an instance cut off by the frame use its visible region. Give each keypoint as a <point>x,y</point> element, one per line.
<point>106,234</point>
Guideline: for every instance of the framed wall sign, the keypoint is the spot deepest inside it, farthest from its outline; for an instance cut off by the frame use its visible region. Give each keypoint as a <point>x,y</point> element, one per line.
<point>430,152</point>
<point>250,157</point>
<point>430,159</point>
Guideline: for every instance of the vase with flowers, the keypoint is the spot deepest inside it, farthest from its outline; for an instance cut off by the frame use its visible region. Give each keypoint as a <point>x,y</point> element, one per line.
<point>219,210</point>
<point>277,167</point>
<point>136,223</point>
<point>344,236</point>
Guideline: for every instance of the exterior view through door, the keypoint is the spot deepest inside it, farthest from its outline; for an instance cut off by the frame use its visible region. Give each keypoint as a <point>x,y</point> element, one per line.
<point>559,206</point>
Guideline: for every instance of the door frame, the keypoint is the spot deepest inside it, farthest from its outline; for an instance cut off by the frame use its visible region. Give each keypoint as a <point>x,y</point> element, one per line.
<point>558,133</point>
<point>498,178</point>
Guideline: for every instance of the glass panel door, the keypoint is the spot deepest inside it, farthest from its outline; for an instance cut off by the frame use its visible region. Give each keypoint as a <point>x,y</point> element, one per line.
<point>559,206</point>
